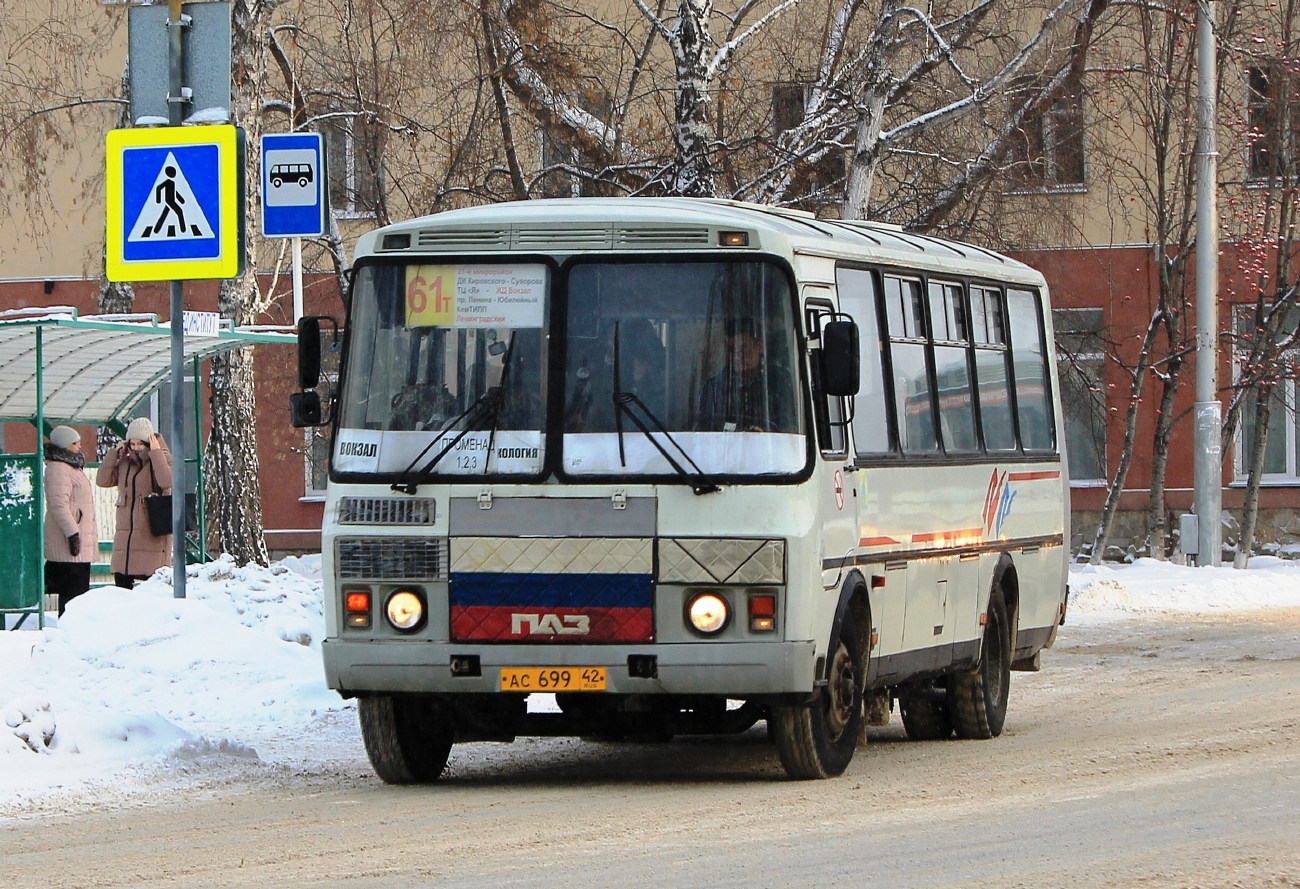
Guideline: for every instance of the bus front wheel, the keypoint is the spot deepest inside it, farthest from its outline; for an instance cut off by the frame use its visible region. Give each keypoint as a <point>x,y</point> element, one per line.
<point>408,737</point>
<point>817,740</point>
<point>977,699</point>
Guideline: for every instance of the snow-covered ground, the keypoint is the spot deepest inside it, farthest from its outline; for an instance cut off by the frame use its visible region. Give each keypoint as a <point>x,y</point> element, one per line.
<point>134,688</point>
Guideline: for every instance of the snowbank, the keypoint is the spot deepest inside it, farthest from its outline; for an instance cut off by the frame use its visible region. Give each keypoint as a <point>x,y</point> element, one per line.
<point>1105,592</point>
<point>132,677</point>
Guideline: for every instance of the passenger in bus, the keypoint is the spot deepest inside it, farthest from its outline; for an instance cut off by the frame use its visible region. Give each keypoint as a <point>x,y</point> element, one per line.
<point>735,397</point>
<point>421,406</point>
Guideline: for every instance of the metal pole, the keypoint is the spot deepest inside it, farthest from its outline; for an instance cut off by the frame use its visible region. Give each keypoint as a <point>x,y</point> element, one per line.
<point>39,491</point>
<point>175,117</point>
<point>1208,432</point>
<point>297,280</point>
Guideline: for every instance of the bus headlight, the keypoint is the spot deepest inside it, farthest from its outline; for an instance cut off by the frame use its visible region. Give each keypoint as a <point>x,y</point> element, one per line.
<point>405,610</point>
<point>708,613</point>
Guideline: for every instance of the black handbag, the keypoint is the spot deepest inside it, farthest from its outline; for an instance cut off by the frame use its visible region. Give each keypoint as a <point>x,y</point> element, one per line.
<point>159,508</point>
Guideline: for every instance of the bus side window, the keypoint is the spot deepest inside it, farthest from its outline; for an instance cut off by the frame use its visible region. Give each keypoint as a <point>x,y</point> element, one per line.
<point>951,366</point>
<point>991,376</point>
<point>828,412</point>
<point>1029,363</point>
<point>857,289</point>
<point>913,394</point>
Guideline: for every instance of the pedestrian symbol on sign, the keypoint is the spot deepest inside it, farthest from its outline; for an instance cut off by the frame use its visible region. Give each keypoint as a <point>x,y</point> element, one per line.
<point>171,211</point>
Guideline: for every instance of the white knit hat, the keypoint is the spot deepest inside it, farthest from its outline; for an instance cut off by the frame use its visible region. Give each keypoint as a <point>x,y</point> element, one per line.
<point>139,430</point>
<point>64,437</point>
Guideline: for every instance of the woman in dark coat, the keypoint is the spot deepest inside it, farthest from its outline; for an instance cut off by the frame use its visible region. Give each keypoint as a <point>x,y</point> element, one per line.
<point>139,466</point>
<point>71,537</point>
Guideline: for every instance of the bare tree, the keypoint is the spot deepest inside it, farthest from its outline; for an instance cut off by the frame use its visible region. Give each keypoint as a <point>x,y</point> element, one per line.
<point>1263,219</point>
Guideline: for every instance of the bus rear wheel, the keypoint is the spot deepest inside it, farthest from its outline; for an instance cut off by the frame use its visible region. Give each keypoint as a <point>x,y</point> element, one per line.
<point>977,699</point>
<point>408,737</point>
<point>925,715</point>
<point>817,740</point>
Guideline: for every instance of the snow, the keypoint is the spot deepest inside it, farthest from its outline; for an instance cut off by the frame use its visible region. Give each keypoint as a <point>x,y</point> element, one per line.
<point>131,689</point>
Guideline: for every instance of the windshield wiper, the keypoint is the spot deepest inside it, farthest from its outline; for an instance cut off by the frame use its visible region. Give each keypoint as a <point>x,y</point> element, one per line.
<point>500,402</point>
<point>623,402</point>
<point>488,401</point>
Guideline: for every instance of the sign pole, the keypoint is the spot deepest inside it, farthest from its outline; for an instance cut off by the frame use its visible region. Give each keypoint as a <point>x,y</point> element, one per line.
<point>297,280</point>
<point>175,117</point>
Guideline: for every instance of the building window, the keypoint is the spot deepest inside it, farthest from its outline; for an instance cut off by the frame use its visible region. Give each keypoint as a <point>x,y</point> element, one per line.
<point>1281,463</point>
<point>352,150</point>
<point>1047,151</point>
<point>1080,365</point>
<point>823,177</point>
<point>1273,122</point>
<point>316,443</point>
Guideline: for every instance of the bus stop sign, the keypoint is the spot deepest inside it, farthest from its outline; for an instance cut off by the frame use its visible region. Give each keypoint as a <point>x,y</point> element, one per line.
<point>293,185</point>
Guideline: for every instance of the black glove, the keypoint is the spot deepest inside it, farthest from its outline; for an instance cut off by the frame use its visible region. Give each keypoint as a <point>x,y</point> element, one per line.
<point>74,544</point>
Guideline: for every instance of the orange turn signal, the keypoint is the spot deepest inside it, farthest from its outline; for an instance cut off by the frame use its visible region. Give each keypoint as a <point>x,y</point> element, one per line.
<point>356,604</point>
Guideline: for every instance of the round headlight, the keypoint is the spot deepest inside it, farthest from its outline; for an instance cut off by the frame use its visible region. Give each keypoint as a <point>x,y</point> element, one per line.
<point>708,613</point>
<point>405,610</point>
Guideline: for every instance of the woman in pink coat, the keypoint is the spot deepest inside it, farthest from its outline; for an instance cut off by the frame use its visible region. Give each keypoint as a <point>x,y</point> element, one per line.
<point>139,466</point>
<point>71,538</point>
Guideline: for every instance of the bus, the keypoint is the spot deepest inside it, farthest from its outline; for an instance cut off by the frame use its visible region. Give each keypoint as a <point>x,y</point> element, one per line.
<point>686,465</point>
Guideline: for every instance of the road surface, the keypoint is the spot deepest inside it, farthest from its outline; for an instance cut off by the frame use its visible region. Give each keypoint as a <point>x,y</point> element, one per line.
<point>1157,752</point>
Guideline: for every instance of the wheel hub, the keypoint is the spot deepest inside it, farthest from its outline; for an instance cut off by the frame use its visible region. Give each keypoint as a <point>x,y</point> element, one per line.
<point>839,690</point>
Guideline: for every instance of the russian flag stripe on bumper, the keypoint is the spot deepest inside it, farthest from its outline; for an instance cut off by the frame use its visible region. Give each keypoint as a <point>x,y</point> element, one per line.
<point>537,607</point>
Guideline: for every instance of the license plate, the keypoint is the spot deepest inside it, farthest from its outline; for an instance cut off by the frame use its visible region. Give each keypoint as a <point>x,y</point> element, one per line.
<point>550,679</point>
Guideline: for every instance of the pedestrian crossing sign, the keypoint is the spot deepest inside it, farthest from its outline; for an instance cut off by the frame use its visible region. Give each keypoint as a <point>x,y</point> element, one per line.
<point>175,200</point>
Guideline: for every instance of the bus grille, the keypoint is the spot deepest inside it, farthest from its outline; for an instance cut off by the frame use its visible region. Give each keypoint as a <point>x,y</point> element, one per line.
<point>392,558</point>
<point>386,511</point>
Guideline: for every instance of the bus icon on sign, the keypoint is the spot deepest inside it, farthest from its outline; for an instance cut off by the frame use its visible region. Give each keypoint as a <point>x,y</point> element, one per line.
<point>302,174</point>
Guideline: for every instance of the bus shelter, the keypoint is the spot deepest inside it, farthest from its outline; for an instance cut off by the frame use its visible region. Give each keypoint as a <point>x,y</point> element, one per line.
<point>58,367</point>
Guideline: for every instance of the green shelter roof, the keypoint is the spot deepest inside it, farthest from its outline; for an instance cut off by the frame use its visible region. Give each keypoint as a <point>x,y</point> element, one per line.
<point>94,369</point>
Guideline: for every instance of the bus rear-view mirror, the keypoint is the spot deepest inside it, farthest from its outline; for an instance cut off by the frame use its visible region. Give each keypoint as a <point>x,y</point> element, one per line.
<point>308,353</point>
<point>839,357</point>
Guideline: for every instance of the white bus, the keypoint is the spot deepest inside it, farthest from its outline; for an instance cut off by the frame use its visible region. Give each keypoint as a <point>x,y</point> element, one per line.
<point>686,465</point>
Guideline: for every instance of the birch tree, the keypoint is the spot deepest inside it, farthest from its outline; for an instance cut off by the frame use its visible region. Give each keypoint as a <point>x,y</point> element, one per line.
<point>1148,156</point>
<point>1264,221</point>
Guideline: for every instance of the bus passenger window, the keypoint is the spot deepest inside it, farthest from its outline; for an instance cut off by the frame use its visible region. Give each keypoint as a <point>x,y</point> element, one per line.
<point>1029,360</point>
<point>913,406</point>
<point>991,369</point>
<point>857,289</point>
<point>951,368</point>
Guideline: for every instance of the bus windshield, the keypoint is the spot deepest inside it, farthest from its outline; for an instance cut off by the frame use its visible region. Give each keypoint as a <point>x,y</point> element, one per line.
<point>445,357</point>
<point>693,363</point>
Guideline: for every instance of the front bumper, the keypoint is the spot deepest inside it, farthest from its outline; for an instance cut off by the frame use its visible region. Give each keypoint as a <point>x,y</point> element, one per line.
<point>733,669</point>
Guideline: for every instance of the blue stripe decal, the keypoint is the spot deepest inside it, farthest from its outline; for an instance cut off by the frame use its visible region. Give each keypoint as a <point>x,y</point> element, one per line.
<point>470,588</point>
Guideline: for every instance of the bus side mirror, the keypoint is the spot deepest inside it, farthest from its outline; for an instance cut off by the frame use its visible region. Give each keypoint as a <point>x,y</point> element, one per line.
<point>305,409</point>
<point>839,359</point>
<point>309,353</point>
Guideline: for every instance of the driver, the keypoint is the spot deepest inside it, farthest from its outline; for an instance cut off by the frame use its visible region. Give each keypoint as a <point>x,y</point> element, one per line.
<point>734,398</point>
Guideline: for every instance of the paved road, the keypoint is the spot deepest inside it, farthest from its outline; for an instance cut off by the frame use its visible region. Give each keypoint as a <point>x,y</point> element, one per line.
<point>1153,753</point>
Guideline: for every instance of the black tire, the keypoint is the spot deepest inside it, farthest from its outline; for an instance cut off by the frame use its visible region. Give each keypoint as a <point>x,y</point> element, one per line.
<point>925,716</point>
<point>817,740</point>
<point>408,737</point>
<point>277,181</point>
<point>977,699</point>
<point>302,182</point>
